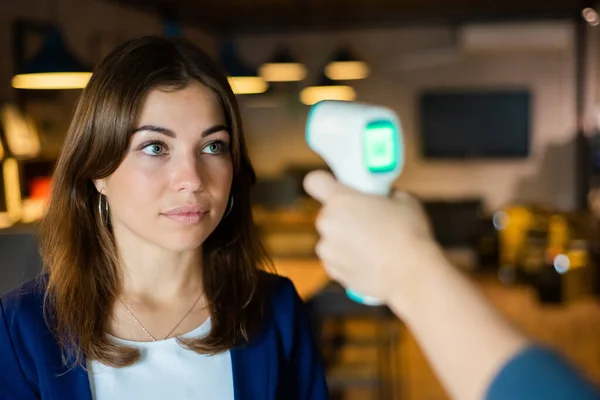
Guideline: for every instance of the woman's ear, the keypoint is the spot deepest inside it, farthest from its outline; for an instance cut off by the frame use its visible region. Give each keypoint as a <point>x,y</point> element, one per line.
<point>100,185</point>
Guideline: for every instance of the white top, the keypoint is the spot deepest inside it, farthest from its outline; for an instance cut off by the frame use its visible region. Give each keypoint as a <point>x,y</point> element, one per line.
<point>166,370</point>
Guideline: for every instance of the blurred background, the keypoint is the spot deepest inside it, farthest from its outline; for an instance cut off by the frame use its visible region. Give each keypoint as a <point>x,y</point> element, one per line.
<point>500,109</point>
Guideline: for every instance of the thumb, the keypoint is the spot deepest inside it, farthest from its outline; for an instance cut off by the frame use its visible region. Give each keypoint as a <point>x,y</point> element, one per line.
<point>320,185</point>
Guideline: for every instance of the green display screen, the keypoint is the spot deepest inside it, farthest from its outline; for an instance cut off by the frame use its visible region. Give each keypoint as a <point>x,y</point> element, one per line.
<point>380,146</point>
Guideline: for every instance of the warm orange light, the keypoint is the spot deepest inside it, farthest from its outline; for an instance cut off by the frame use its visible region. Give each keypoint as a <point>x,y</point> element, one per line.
<point>283,72</point>
<point>313,94</point>
<point>247,84</point>
<point>52,80</point>
<point>347,70</point>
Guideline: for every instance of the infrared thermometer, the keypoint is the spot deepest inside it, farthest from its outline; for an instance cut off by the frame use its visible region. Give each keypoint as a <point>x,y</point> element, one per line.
<point>363,146</point>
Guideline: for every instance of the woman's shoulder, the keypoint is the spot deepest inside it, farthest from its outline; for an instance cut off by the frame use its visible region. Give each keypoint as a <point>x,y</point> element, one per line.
<point>25,303</point>
<point>280,289</point>
<point>287,309</point>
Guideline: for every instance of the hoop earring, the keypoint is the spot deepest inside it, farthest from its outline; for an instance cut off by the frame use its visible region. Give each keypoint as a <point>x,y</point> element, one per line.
<point>229,208</point>
<point>102,214</point>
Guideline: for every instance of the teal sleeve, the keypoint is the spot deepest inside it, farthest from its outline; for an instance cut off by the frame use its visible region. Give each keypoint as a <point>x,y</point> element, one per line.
<point>538,373</point>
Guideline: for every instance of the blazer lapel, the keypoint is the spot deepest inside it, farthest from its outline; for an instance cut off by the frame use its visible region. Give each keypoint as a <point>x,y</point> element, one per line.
<point>77,382</point>
<point>70,382</point>
<point>255,369</point>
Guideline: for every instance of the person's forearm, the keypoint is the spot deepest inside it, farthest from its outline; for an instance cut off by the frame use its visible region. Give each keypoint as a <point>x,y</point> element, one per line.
<point>465,340</point>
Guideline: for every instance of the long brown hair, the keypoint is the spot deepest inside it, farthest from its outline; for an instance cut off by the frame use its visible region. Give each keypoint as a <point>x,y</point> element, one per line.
<point>78,250</point>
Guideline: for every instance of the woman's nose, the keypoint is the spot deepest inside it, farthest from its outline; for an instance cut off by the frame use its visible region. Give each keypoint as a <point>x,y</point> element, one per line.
<point>187,174</point>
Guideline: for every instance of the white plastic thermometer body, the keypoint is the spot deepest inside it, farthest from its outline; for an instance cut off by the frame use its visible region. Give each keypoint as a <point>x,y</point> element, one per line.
<point>362,144</point>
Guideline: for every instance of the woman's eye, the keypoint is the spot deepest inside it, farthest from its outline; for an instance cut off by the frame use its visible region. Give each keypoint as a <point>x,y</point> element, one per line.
<point>215,148</point>
<point>154,149</point>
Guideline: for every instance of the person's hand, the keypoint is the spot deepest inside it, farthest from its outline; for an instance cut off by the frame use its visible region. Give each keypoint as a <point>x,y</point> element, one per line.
<point>376,245</point>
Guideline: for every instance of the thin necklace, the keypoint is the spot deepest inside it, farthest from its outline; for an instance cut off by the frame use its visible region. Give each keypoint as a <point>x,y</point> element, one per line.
<point>172,330</point>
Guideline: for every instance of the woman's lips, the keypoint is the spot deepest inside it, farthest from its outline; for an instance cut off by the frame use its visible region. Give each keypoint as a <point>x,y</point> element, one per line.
<point>189,214</point>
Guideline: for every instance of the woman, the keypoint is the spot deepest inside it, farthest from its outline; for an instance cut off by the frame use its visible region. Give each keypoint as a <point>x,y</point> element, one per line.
<point>152,286</point>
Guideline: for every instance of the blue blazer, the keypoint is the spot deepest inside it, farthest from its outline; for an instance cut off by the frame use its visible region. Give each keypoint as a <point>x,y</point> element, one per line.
<point>282,362</point>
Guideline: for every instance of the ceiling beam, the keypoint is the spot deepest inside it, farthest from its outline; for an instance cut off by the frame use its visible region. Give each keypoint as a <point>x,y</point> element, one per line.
<point>268,16</point>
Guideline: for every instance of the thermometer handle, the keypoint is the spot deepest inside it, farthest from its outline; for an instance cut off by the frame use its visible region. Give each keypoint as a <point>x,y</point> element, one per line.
<point>381,190</point>
<point>364,299</point>
<point>362,144</point>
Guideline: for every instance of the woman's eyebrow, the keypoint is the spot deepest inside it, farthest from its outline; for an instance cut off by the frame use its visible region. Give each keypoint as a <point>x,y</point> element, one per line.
<point>170,133</point>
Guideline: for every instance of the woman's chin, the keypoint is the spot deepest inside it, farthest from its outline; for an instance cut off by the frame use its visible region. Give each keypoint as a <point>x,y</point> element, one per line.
<point>183,242</point>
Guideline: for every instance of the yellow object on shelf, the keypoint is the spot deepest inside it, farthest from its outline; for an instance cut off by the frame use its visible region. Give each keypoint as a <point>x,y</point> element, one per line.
<point>22,139</point>
<point>513,224</point>
<point>12,190</point>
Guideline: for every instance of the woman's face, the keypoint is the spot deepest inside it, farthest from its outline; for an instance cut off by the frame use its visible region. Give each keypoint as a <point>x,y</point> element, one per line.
<point>172,188</point>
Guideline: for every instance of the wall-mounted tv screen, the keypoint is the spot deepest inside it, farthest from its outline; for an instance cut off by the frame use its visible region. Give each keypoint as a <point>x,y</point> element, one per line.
<point>475,123</point>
